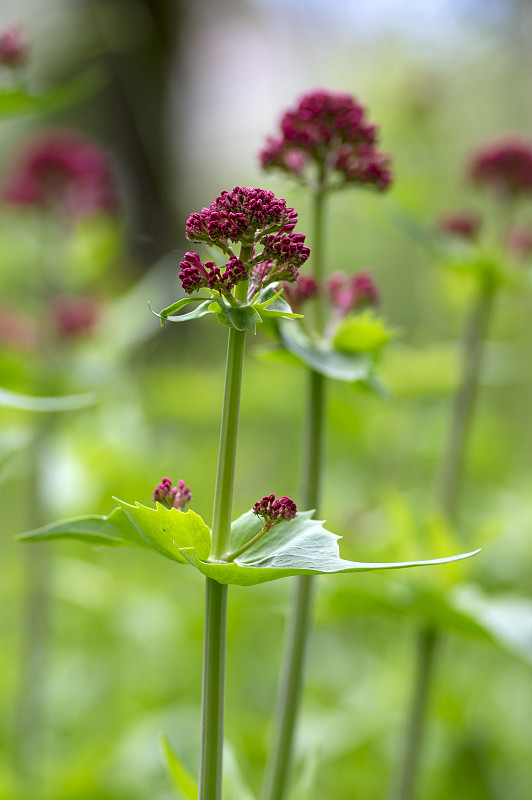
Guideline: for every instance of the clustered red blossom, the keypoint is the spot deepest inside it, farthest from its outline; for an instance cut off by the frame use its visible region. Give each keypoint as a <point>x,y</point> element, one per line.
<point>13,46</point>
<point>172,496</point>
<point>328,131</point>
<point>74,316</point>
<point>63,171</point>
<point>352,292</point>
<point>273,511</point>
<point>462,224</point>
<point>305,288</point>
<point>255,218</point>
<point>503,167</point>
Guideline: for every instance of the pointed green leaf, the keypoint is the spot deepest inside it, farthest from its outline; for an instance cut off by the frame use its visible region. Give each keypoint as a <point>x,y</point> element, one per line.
<point>270,303</point>
<point>299,547</point>
<point>183,781</point>
<point>198,312</point>
<point>169,530</point>
<point>170,310</point>
<point>323,358</point>
<point>114,530</point>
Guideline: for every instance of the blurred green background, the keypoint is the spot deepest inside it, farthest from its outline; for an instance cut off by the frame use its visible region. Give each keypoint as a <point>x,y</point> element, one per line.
<point>183,97</point>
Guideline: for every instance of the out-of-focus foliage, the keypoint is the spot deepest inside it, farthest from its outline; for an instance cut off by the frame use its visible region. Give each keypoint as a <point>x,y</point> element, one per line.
<point>122,660</point>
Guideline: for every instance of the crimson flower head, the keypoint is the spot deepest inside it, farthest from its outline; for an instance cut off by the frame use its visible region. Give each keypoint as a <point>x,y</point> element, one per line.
<point>172,496</point>
<point>352,292</point>
<point>262,224</point>
<point>65,172</point>
<point>13,46</point>
<point>327,132</point>
<point>503,167</point>
<point>273,511</point>
<point>462,224</point>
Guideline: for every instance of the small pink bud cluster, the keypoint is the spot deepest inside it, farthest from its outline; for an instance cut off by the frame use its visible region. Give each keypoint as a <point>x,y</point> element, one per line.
<point>462,224</point>
<point>273,511</point>
<point>503,167</point>
<point>194,275</point>
<point>328,131</point>
<point>253,217</point>
<point>64,172</point>
<point>352,292</point>
<point>172,496</point>
<point>14,47</point>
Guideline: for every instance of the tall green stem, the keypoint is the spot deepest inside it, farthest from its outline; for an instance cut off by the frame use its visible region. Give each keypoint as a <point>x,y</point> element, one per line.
<point>446,496</point>
<point>292,672</point>
<point>213,686</point>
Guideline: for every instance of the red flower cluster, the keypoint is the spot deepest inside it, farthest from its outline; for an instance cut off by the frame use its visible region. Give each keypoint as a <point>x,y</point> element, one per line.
<point>273,511</point>
<point>352,292</point>
<point>243,215</point>
<point>328,131</point>
<point>504,167</point>
<point>519,242</point>
<point>254,217</point>
<point>194,275</point>
<point>65,172</point>
<point>13,46</point>
<point>172,496</point>
<point>461,224</point>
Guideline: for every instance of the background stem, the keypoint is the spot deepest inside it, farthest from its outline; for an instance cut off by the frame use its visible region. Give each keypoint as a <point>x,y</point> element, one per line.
<point>214,642</point>
<point>423,673</point>
<point>292,672</point>
<point>446,497</point>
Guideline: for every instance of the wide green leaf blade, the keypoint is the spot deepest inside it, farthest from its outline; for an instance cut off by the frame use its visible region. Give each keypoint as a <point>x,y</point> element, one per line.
<point>114,530</point>
<point>182,780</point>
<point>169,530</point>
<point>324,358</point>
<point>299,547</point>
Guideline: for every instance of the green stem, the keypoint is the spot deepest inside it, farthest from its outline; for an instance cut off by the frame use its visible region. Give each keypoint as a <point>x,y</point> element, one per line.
<point>425,653</point>
<point>446,495</point>
<point>214,642</point>
<point>297,634</point>
<point>448,485</point>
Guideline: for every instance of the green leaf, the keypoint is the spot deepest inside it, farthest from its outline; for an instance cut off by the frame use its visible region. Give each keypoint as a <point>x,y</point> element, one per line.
<point>323,358</point>
<point>183,781</point>
<point>170,310</point>
<point>362,333</point>
<point>114,530</point>
<point>243,318</point>
<point>200,311</point>
<point>299,547</point>
<point>26,402</point>
<point>168,530</point>
<point>270,303</point>
<point>19,102</point>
